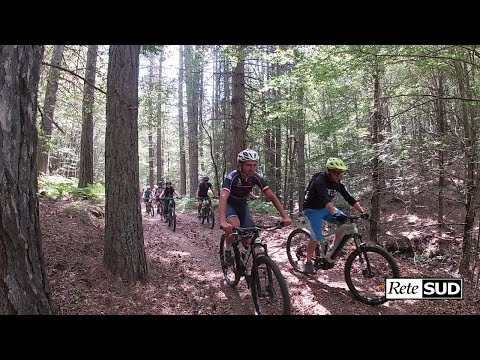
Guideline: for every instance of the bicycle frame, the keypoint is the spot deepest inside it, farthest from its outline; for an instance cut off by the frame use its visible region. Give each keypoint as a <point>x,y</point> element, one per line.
<point>348,230</point>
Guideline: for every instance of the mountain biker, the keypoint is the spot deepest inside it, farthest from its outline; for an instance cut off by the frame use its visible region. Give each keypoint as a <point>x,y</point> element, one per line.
<point>233,207</point>
<point>147,195</point>
<point>318,205</point>
<point>202,192</point>
<point>167,193</point>
<point>158,190</point>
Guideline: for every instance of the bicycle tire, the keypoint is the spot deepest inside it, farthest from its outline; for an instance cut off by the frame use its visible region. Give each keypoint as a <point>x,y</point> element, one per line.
<point>230,274</point>
<point>266,298</point>
<point>202,215</point>
<point>370,290</point>
<point>174,220</point>
<point>169,217</point>
<point>211,218</point>
<point>297,249</point>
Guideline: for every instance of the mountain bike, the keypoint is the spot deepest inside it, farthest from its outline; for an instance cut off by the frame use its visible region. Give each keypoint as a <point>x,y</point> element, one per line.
<point>206,212</point>
<point>266,282</point>
<point>149,208</point>
<point>160,208</point>
<point>171,217</point>
<point>366,268</point>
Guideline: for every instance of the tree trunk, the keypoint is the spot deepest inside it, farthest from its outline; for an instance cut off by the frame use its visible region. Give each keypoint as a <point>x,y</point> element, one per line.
<point>24,287</point>
<point>237,134</point>
<point>377,163</point>
<point>159,120</point>
<point>181,129</point>
<point>192,116</point>
<point>124,253</point>
<point>300,138</point>
<point>86,146</point>
<point>49,109</point>
<point>440,115</point>
<point>150,124</point>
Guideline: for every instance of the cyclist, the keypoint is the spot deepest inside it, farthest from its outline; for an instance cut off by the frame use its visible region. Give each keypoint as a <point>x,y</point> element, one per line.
<point>318,205</point>
<point>168,192</point>
<point>147,196</point>
<point>233,207</point>
<point>158,192</point>
<point>202,192</point>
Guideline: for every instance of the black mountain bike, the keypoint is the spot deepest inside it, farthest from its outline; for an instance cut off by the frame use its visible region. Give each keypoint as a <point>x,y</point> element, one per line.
<point>268,286</point>
<point>171,218</point>
<point>366,268</point>
<point>206,212</point>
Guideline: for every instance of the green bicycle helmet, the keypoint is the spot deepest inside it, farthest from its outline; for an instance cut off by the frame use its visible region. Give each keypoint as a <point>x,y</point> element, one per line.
<point>336,164</point>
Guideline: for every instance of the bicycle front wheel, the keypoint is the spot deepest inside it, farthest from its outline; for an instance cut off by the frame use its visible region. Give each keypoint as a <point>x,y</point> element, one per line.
<point>232,277</point>
<point>211,218</point>
<point>269,288</point>
<point>174,220</point>
<point>365,272</point>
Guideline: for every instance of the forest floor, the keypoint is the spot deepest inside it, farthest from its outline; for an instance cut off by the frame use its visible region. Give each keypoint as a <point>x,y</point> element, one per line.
<point>185,277</point>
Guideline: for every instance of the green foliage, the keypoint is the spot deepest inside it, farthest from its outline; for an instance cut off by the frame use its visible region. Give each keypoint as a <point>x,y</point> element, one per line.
<point>262,207</point>
<point>59,187</point>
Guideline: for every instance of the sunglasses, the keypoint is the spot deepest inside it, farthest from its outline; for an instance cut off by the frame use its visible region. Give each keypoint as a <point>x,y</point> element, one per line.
<point>338,173</point>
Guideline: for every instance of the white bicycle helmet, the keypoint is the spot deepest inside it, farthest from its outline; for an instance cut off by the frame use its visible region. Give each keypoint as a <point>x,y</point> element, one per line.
<point>246,155</point>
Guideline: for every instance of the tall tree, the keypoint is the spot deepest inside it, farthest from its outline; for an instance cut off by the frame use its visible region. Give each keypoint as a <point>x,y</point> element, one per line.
<point>85,175</point>
<point>124,252</point>
<point>49,108</point>
<point>191,76</point>
<point>24,285</point>
<point>181,129</point>
<point>159,119</point>
<point>237,134</point>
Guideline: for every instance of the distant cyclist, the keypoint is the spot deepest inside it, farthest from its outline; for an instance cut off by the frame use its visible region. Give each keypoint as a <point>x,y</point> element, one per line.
<point>318,205</point>
<point>202,192</point>
<point>168,192</point>
<point>233,207</point>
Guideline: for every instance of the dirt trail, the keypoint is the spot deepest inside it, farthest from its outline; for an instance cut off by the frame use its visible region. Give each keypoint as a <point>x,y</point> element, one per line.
<point>185,276</point>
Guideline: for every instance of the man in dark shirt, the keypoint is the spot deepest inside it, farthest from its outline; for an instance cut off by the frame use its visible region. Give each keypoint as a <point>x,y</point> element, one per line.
<point>318,205</point>
<point>233,207</point>
<point>202,193</point>
<point>167,194</point>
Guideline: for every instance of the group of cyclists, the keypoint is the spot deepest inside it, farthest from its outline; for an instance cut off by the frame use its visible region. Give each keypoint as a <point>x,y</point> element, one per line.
<point>237,186</point>
<point>159,193</point>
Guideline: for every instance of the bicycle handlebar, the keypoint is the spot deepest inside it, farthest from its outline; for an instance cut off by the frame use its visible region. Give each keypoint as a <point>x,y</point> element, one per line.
<point>246,230</point>
<point>352,218</point>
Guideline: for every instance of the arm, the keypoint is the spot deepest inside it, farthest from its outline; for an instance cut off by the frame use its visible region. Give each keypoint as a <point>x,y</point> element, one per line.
<point>213,192</point>
<point>358,207</point>
<point>222,208</point>
<point>274,199</point>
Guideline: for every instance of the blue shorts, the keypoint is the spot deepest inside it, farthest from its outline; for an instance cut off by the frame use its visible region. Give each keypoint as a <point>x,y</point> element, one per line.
<point>243,213</point>
<point>315,219</point>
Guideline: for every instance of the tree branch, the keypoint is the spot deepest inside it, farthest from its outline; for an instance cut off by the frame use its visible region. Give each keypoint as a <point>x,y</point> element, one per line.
<point>74,74</point>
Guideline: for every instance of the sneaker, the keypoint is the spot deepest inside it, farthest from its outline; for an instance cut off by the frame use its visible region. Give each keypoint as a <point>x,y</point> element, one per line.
<point>309,268</point>
<point>228,258</point>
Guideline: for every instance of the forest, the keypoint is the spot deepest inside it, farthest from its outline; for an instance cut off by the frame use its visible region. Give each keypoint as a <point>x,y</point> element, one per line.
<point>84,128</point>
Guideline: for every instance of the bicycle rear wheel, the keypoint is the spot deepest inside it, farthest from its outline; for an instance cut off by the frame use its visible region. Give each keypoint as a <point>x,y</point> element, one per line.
<point>269,288</point>
<point>297,249</point>
<point>365,272</point>
<point>232,277</point>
